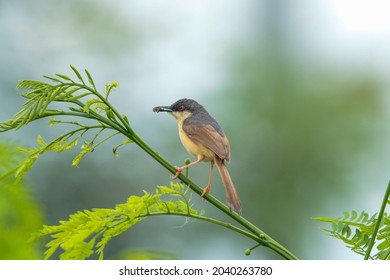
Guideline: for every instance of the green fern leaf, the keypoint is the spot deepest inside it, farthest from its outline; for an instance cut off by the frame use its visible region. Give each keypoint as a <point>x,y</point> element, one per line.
<point>85,149</point>
<point>52,79</point>
<point>77,74</point>
<point>65,77</point>
<point>96,104</point>
<point>354,215</point>
<point>110,87</point>
<point>90,80</point>
<point>31,85</point>
<point>88,232</point>
<point>363,226</point>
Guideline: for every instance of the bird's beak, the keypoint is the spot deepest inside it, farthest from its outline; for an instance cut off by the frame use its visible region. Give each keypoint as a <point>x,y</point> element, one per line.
<point>162,109</point>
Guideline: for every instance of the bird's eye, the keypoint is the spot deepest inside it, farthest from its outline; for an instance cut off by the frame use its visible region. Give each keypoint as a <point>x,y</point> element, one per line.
<point>181,108</point>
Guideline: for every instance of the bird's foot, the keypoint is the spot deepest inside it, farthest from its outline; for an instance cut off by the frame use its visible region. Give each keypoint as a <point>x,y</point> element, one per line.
<point>206,190</point>
<point>178,172</point>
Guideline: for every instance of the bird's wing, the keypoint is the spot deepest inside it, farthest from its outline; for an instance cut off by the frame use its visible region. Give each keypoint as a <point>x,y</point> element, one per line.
<point>209,137</point>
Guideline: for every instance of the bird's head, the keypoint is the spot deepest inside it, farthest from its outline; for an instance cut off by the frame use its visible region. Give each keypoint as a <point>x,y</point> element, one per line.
<point>181,109</point>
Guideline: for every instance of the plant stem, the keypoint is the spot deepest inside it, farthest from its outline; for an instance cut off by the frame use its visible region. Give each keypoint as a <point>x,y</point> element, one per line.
<point>378,223</point>
<point>210,220</point>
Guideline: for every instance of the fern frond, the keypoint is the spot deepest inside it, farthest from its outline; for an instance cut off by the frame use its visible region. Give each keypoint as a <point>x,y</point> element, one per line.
<point>64,89</point>
<point>96,105</point>
<point>363,226</point>
<point>58,145</point>
<point>110,87</point>
<point>61,88</point>
<point>88,232</point>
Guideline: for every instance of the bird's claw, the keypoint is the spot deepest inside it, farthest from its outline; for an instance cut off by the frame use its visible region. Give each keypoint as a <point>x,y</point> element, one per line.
<point>178,172</point>
<point>206,190</point>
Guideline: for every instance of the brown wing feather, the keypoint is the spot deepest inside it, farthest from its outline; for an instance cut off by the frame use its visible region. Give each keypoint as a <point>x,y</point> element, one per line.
<point>207,136</point>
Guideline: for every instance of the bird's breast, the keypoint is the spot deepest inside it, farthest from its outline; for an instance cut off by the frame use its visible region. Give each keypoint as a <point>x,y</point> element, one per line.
<point>193,148</point>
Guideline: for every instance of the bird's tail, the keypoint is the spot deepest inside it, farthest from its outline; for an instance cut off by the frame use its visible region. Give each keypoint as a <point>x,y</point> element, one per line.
<point>231,194</point>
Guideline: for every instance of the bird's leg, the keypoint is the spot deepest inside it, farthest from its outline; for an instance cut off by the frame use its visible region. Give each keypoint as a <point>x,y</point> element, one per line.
<point>206,190</point>
<point>180,169</point>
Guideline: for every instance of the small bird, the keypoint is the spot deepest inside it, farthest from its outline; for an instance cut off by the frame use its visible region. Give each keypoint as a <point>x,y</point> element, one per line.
<point>202,136</point>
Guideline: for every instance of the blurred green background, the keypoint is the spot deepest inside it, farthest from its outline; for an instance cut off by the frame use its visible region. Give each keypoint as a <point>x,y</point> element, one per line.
<point>300,88</point>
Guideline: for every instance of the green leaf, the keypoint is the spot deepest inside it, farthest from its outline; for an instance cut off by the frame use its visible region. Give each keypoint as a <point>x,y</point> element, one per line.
<point>69,92</point>
<point>372,219</point>
<point>115,150</point>
<point>90,80</point>
<point>346,215</point>
<point>40,141</point>
<point>360,217</point>
<point>334,227</point>
<point>85,149</point>
<point>354,215</point>
<point>365,218</point>
<point>52,79</point>
<point>30,84</point>
<point>110,87</point>
<point>58,145</point>
<point>383,245</point>
<point>25,167</point>
<point>96,104</point>
<point>77,74</point>
<point>89,103</point>
<point>62,76</point>
<point>64,145</point>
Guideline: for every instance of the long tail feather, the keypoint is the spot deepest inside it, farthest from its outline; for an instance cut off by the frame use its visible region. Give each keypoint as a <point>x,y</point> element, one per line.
<point>232,198</point>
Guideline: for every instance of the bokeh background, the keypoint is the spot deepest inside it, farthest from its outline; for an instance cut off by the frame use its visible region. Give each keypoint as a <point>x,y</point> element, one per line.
<point>300,88</point>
